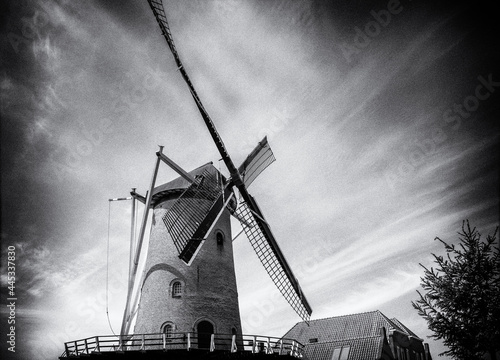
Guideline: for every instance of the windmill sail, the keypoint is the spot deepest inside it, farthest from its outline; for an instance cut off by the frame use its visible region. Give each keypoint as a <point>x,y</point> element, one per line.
<point>269,254</point>
<point>279,269</point>
<point>192,215</point>
<point>256,162</point>
<point>159,12</point>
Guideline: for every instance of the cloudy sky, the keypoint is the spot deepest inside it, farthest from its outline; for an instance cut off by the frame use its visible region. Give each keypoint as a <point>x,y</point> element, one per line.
<point>383,117</point>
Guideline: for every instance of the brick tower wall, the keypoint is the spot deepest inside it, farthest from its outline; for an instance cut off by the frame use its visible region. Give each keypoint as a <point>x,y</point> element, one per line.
<point>208,285</point>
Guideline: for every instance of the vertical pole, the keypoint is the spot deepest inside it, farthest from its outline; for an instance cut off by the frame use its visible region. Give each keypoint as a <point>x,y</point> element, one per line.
<point>132,237</point>
<point>126,315</point>
<point>164,341</point>
<point>97,344</point>
<point>146,210</point>
<point>131,261</point>
<point>67,349</point>
<point>189,342</point>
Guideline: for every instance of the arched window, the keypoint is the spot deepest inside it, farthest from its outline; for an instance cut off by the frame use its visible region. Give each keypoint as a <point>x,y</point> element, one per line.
<point>220,238</point>
<point>176,289</point>
<point>168,329</point>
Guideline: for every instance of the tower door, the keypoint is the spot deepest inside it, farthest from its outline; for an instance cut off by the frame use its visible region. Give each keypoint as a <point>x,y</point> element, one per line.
<point>205,330</point>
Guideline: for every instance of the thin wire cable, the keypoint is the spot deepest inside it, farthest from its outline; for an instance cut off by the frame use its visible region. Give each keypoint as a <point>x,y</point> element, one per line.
<point>107,270</point>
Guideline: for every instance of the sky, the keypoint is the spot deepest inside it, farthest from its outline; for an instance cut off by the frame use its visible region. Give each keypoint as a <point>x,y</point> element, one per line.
<point>382,115</point>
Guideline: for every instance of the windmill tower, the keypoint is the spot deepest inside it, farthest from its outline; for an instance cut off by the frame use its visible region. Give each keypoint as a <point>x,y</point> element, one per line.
<point>188,283</point>
<point>190,293</point>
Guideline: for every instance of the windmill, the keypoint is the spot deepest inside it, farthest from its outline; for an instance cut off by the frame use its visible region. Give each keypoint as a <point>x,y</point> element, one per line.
<point>194,206</point>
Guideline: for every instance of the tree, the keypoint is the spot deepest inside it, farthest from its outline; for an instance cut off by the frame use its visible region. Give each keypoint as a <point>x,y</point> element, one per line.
<point>461,303</point>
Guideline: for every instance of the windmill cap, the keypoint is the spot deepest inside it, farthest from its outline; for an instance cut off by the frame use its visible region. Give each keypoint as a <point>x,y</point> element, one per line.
<point>175,187</point>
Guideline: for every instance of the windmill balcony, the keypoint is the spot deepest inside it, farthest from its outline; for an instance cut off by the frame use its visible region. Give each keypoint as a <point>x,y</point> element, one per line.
<point>183,346</point>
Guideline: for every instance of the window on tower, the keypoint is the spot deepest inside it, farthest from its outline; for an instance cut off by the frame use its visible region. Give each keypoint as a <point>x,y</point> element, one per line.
<point>168,330</point>
<point>176,289</point>
<point>220,238</point>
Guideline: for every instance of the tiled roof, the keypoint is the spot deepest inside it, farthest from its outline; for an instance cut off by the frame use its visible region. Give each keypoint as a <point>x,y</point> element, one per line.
<point>355,326</point>
<point>362,332</point>
<point>361,349</point>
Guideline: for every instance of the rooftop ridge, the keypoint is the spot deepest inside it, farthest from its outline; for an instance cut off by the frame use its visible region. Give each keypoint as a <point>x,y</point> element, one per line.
<point>346,315</point>
<point>391,323</point>
<point>199,167</point>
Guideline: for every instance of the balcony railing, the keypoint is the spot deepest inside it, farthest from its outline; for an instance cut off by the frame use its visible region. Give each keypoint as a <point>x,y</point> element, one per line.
<point>184,341</point>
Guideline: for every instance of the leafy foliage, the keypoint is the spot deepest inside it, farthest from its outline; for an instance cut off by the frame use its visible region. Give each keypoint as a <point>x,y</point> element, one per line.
<point>461,303</point>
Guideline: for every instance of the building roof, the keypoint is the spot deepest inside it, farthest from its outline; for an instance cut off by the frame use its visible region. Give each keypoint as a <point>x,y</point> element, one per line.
<point>365,333</point>
<point>360,349</point>
<point>335,328</point>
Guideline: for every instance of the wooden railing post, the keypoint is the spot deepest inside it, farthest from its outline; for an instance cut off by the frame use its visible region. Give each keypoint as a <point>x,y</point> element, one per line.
<point>67,349</point>
<point>98,349</point>
<point>234,347</point>
<point>189,342</point>
<point>212,343</point>
<point>143,342</point>
<point>120,343</point>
